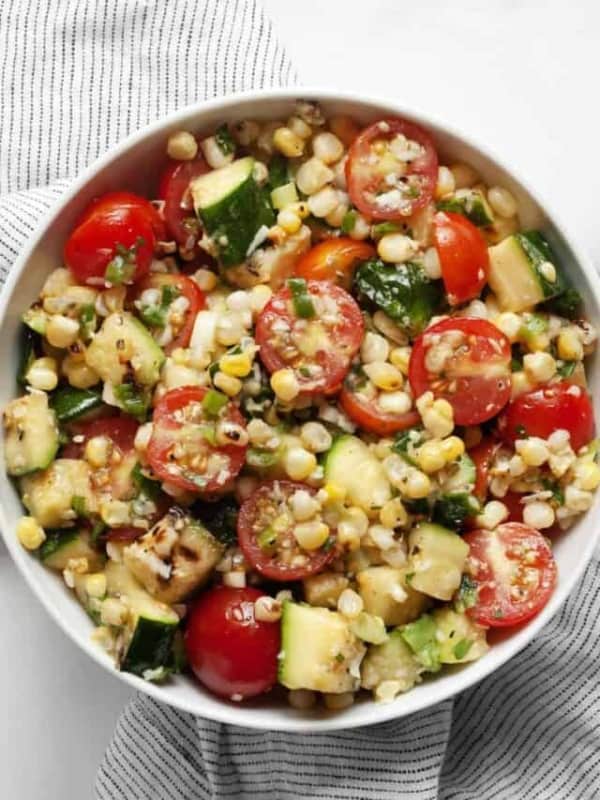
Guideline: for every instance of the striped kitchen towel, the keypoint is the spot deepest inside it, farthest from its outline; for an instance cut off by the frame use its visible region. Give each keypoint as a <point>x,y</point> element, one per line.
<point>77,76</point>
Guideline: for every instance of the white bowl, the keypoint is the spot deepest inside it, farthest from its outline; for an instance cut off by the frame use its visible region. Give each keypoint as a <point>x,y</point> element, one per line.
<point>130,165</point>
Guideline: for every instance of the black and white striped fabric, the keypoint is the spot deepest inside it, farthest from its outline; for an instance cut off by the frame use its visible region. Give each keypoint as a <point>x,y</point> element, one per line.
<point>77,76</point>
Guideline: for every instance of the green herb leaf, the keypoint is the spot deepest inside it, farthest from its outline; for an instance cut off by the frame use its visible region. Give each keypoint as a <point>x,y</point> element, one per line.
<point>78,505</point>
<point>453,510</point>
<point>121,268</point>
<point>213,402</point>
<point>348,221</point>
<point>387,227</point>
<point>461,649</point>
<point>467,594</point>
<point>145,485</point>
<point>566,369</point>
<point>303,304</point>
<point>155,315</point>
<point>87,321</point>
<point>224,140</point>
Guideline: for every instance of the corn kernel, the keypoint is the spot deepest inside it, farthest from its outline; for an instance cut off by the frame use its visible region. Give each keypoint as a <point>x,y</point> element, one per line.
<point>492,515</point>
<point>464,176</point>
<point>327,147</point>
<point>214,155</point>
<point>115,513</point>
<point>430,456</point>
<point>394,402</point>
<point>285,385</point>
<point>384,375</point>
<point>335,492</point>
<point>452,448</point>
<point>288,143</point>
<point>289,221</point>
<point>588,476</point>
<point>259,297</point>
<point>62,331</point>
<point>97,451</point>
<point>570,346</point>
<point>113,612</point>
<point>396,248</point>
<point>538,514</point>
<point>311,535</point>
<point>533,451</point>
<point>95,584</point>
<point>445,183</point>
<point>539,367</point>
<point>206,279</point>
<point>417,485</point>
<point>299,463</point>
<point>312,176</point>
<point>228,384</point>
<point>510,325</point>
<point>30,533</point>
<point>182,146</point>
<point>400,357</point>
<point>315,437</point>
<point>237,365</point>
<point>42,374</point>
<point>299,127</point>
<point>393,514</point>
<point>350,603</point>
<point>374,348</point>
<point>502,201</point>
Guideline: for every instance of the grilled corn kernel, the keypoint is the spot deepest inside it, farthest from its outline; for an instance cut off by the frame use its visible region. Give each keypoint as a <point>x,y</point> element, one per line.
<point>299,127</point>
<point>464,176</point>
<point>288,143</point>
<point>304,506</point>
<point>350,603</point>
<point>182,146</point>
<point>267,609</point>
<point>417,485</point>
<point>115,513</point>
<point>430,456</point>
<point>520,384</point>
<point>323,202</point>
<point>587,476</point>
<point>30,533</point>
<point>285,385</point>
<point>437,415</point>
<point>259,297</point>
<point>384,375</point>
<point>452,448</point>
<point>113,612</point>
<point>97,451</point>
<point>206,279</point>
<point>95,584</point>
<point>533,451</point>
<point>327,147</point>
<point>299,463</point>
<point>289,221</point>
<point>334,492</point>
<point>445,182</point>
<point>42,374</point>
<point>315,437</point>
<point>394,402</point>
<point>393,514</point>
<point>228,384</point>
<point>396,248</point>
<point>312,176</point>
<point>570,346</point>
<point>246,132</point>
<point>237,365</point>
<point>352,527</point>
<point>78,373</point>
<point>236,579</point>
<point>374,348</point>
<point>510,325</point>
<point>539,367</point>
<point>399,357</point>
<point>62,331</point>
<point>311,535</point>
<point>578,499</point>
<point>502,201</point>
<point>492,515</point>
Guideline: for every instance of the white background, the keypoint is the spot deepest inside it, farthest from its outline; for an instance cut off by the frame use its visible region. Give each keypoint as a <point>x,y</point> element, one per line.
<point>521,77</point>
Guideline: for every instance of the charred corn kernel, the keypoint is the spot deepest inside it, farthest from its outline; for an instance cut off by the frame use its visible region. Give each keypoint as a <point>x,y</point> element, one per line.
<point>431,264</point>
<point>237,365</point>
<point>492,515</point>
<point>42,374</point>
<point>394,402</point>
<point>288,143</point>
<point>115,513</point>
<point>336,702</point>
<point>322,203</point>
<point>299,463</point>
<point>95,584</point>
<point>304,506</point>
<point>182,146</point>
<point>570,346</point>
<point>587,476</point>
<point>110,300</point>
<point>374,348</point>
<point>267,609</point>
<point>113,612</point>
<point>445,182</point>
<point>384,375</point>
<point>334,492</point>
<point>299,127</point>
<point>289,221</point>
<point>97,451</point>
<point>350,603</point>
<point>228,384</point>
<point>578,499</point>
<point>464,176</point>
<point>230,328</point>
<point>259,297</point>
<point>393,513</point>
<point>400,357</point>
<point>78,373</point>
<point>206,279</point>
<point>352,526</point>
<point>510,325</point>
<point>538,514</point>
<point>285,385</point>
<point>327,147</point>
<point>335,218</point>
<point>430,456</point>
<point>502,201</point>
<point>396,248</point>
<point>312,176</point>
<point>437,415</point>
<point>388,690</point>
<point>62,331</point>
<point>284,196</point>
<point>416,484</point>
<point>452,448</point>
<point>315,437</point>
<point>520,384</point>
<point>30,533</point>
<point>533,451</point>
<point>57,283</point>
<point>246,132</point>
<point>539,367</point>
<point>311,535</point>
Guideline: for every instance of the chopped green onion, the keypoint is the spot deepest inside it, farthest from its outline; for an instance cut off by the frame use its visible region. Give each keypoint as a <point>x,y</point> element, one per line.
<point>462,648</point>
<point>87,321</point>
<point>267,539</point>
<point>155,315</point>
<point>213,402</point>
<point>209,433</point>
<point>78,505</point>
<point>303,305</point>
<point>146,486</point>
<point>566,369</point>
<point>224,140</point>
<point>261,459</point>
<point>386,227</point>
<point>121,268</point>
<point>348,221</point>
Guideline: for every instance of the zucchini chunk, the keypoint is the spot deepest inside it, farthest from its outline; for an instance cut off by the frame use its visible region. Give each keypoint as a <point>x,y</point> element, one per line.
<point>318,650</point>
<point>30,434</point>
<point>61,546</point>
<point>174,558</point>
<point>436,557</point>
<point>459,639</point>
<point>70,403</point>
<point>391,661</point>
<point>472,204</point>
<point>380,588</point>
<point>349,463</point>
<point>48,495</point>
<point>233,208</point>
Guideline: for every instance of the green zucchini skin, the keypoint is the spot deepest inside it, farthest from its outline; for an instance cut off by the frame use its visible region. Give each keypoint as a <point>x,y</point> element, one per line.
<point>151,646</point>
<point>70,403</point>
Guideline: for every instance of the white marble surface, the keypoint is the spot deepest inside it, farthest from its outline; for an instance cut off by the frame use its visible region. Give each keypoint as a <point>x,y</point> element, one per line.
<point>519,76</point>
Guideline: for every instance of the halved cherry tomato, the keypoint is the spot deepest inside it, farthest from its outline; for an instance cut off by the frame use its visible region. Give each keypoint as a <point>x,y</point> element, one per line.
<point>118,225</point>
<point>181,286</point>
<point>549,408</point>
<point>265,530</point>
<point>463,255</point>
<point>334,260</point>
<point>120,430</point>
<point>470,367</point>
<point>183,450</point>
<point>369,172</point>
<point>364,411</point>
<point>482,456</point>
<point>319,348</point>
<point>179,215</point>
<point>231,652</point>
<point>514,572</point>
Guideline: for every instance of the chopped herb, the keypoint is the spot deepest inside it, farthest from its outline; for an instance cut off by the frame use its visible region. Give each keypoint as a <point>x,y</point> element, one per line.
<point>303,304</point>
<point>155,315</point>
<point>386,227</point>
<point>467,594</point>
<point>498,613</point>
<point>348,221</point>
<point>406,442</point>
<point>408,577</point>
<point>121,268</point>
<point>224,140</point>
<point>78,505</point>
<point>462,648</point>
<point>87,321</point>
<point>557,493</point>
<point>566,369</point>
<point>340,658</point>
<point>213,402</point>
<point>144,484</point>
<point>278,172</point>
<point>267,539</point>
<point>133,400</point>
<point>452,510</point>
<point>261,459</point>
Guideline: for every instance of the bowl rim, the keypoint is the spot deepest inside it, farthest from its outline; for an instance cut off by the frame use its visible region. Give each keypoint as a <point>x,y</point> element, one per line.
<point>474,672</point>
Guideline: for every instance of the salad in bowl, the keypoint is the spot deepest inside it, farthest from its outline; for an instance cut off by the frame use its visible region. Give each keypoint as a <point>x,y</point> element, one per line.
<point>311,414</point>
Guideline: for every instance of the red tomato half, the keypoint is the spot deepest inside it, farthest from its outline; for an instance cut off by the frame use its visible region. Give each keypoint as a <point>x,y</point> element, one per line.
<point>229,650</point>
<point>116,225</point>
<point>463,255</point>
<point>319,349</point>
<point>183,287</point>
<point>368,171</point>
<point>272,549</point>
<point>120,430</point>
<point>365,412</point>
<point>180,218</point>
<point>482,456</point>
<point>549,408</point>
<point>514,572</point>
<point>470,367</point>
<point>334,260</point>
<point>182,448</point>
